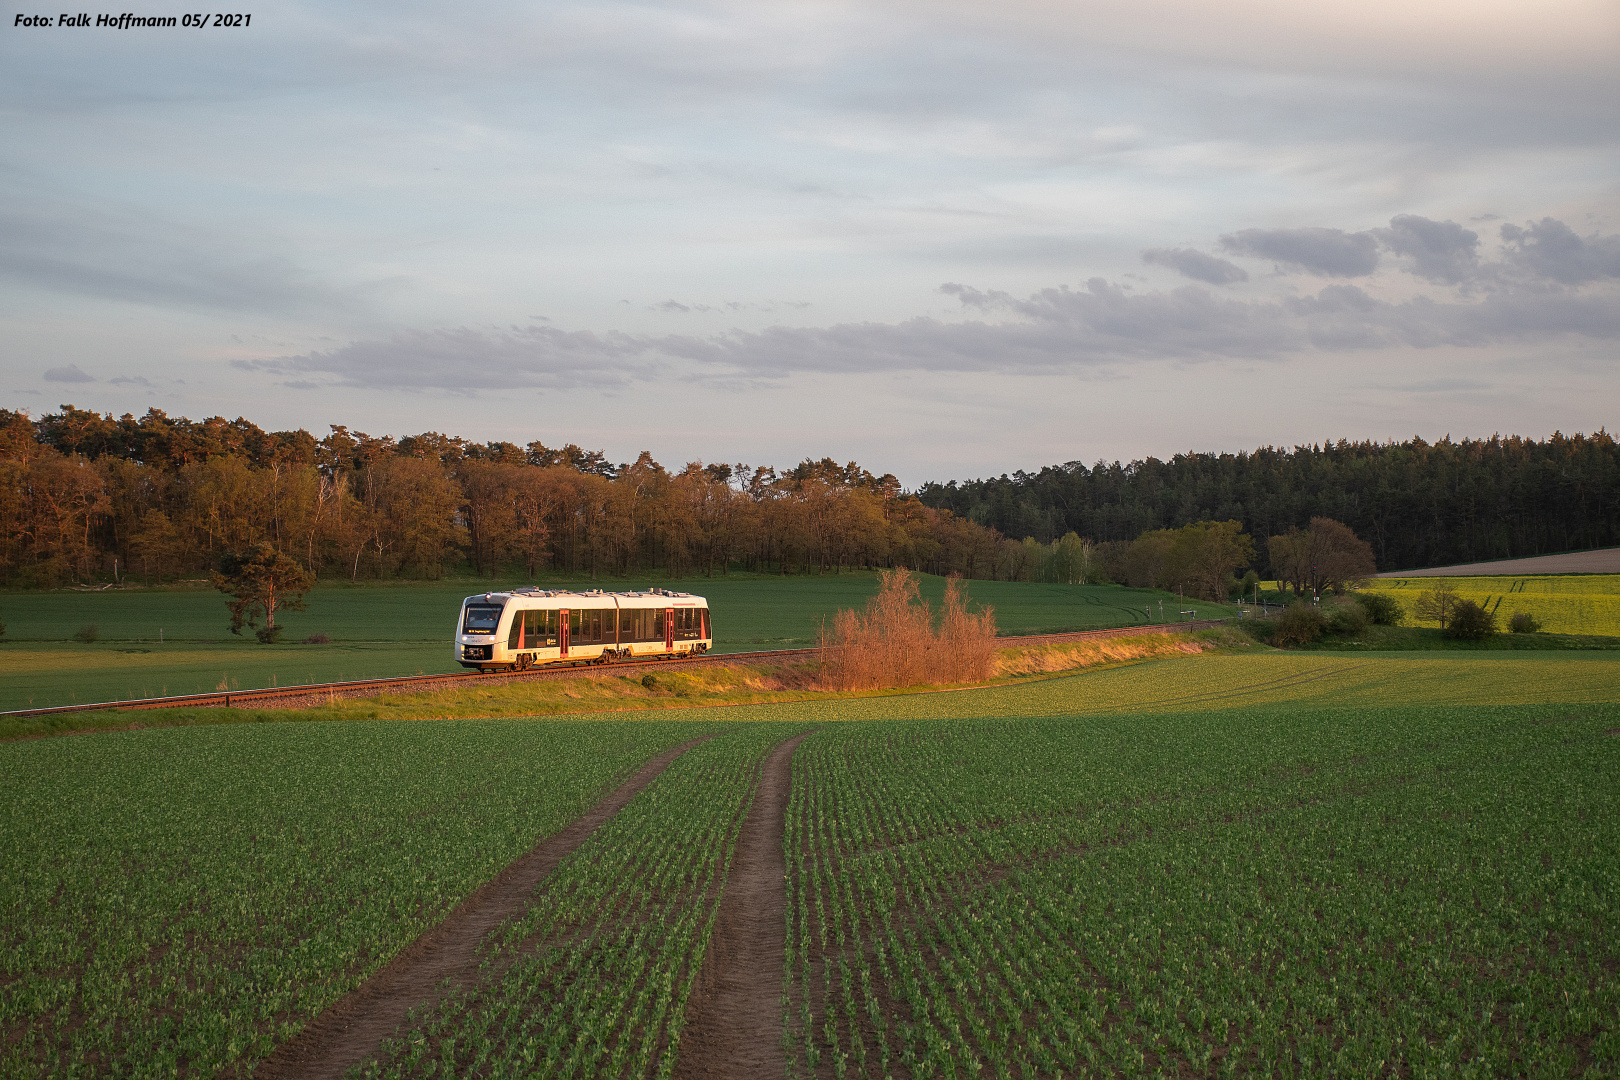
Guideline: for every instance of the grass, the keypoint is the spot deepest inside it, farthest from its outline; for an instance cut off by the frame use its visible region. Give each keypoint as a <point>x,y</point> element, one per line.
<point>1583,604</point>
<point>1430,639</point>
<point>384,630</point>
<point>37,675</point>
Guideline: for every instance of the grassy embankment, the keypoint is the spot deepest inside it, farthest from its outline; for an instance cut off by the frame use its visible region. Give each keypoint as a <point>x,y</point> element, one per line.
<point>637,692</point>
<point>380,630</point>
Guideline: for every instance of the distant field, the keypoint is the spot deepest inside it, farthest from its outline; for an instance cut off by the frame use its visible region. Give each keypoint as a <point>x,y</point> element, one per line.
<point>1565,604</point>
<point>385,630</point>
<point>1597,561</point>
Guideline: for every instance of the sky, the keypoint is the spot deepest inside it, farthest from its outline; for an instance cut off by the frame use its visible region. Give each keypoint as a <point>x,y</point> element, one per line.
<point>944,239</point>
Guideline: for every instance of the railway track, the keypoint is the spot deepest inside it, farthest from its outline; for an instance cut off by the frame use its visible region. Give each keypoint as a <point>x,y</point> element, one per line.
<point>284,697</point>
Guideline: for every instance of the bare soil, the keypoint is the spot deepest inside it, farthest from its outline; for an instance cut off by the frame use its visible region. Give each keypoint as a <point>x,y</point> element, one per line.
<point>351,1030</point>
<point>734,1016</point>
<point>1600,561</point>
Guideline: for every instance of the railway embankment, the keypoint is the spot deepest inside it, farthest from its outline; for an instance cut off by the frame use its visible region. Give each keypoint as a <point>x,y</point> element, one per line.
<point>712,681</point>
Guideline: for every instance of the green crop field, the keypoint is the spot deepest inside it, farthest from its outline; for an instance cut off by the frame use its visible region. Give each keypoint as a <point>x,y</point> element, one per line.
<point>629,915</point>
<point>1563,603</point>
<point>177,902</point>
<point>155,642</point>
<point>1266,865</point>
<point>1290,892</point>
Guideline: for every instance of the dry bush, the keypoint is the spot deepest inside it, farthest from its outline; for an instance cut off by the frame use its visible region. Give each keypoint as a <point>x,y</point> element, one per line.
<point>894,643</point>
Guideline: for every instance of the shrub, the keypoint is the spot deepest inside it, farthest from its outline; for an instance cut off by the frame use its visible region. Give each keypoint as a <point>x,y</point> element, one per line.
<point>1300,624</point>
<point>87,633</point>
<point>1470,622</point>
<point>268,635</point>
<point>1382,608</point>
<point>1437,604</point>
<point>1348,618</point>
<point>1238,588</point>
<point>893,642</point>
<point>1522,623</point>
<point>1260,629</point>
<point>649,681</point>
<point>317,639</point>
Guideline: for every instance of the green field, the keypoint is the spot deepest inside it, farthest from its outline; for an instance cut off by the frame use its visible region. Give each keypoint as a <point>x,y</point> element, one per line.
<point>179,901</point>
<point>1563,603</point>
<point>1261,865</point>
<point>385,630</point>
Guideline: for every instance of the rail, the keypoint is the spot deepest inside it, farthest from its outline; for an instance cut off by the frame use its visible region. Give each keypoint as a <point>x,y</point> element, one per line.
<point>313,693</point>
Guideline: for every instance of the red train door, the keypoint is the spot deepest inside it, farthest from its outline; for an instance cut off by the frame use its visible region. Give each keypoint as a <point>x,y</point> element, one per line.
<point>562,632</point>
<point>669,628</point>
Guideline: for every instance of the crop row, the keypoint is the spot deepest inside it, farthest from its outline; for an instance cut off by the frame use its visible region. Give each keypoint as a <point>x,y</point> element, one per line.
<point>1286,894</point>
<point>178,902</point>
<point>593,979</point>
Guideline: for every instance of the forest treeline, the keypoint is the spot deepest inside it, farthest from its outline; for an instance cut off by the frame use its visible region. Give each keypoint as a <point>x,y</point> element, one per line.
<point>1418,504</point>
<point>85,496</point>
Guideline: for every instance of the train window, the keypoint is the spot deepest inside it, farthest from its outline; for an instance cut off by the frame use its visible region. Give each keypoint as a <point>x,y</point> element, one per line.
<point>481,619</point>
<point>539,630</point>
<point>705,631</point>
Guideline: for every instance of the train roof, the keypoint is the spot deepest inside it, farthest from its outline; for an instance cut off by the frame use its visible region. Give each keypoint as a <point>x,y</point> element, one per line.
<point>533,592</point>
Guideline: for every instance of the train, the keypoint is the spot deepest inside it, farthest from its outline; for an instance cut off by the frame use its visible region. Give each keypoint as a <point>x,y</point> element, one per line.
<point>517,630</point>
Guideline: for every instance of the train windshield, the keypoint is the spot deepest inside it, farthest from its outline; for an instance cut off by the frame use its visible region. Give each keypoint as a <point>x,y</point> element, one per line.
<point>481,619</point>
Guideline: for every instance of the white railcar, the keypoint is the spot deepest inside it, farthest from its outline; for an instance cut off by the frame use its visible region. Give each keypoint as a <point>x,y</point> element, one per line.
<point>519,629</point>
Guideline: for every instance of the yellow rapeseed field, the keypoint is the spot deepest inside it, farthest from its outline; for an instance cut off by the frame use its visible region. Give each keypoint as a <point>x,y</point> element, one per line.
<point>1563,603</point>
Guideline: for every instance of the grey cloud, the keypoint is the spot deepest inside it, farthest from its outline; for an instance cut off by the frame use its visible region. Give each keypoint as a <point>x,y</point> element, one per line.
<point>1328,252</point>
<point>1441,251</point>
<point>123,254</point>
<point>1196,265</point>
<point>463,359</point>
<point>1058,329</point>
<point>1550,249</point>
<point>68,374</point>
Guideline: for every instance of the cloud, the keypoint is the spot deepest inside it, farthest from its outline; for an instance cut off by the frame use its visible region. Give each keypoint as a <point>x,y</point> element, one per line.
<point>1055,330</point>
<point>1441,251</point>
<point>1327,252</point>
<point>1059,329</point>
<point>115,252</point>
<point>466,360</point>
<point>68,374</point>
<point>1197,265</point>
<point>1550,249</point>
